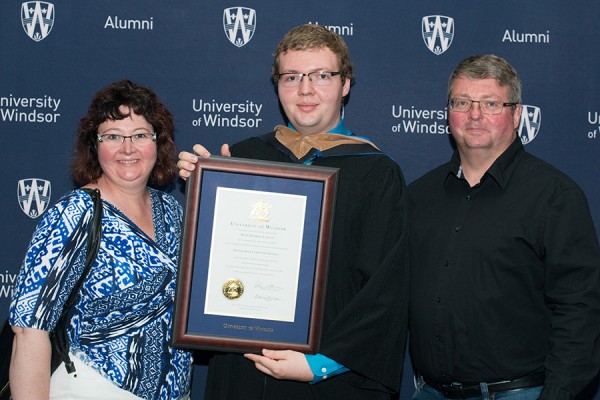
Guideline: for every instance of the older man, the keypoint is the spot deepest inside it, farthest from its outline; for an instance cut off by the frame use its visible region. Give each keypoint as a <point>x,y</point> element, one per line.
<point>505,284</point>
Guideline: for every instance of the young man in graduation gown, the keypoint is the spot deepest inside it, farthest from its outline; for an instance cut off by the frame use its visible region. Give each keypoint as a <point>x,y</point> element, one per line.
<point>365,314</point>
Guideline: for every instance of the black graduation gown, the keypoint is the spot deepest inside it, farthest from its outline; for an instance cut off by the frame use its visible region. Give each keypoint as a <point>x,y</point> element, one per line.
<point>366,304</point>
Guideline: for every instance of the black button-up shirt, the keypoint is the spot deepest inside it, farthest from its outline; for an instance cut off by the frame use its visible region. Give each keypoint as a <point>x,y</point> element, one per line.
<point>505,276</point>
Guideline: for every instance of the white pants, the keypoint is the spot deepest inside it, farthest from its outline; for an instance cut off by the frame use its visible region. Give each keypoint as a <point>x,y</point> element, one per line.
<point>84,383</point>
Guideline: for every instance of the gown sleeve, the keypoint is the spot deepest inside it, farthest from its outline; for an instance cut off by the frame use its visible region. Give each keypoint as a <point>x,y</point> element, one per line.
<point>368,334</point>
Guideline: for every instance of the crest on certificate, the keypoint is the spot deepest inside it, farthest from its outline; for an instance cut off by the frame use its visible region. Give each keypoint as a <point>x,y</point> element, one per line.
<point>260,211</point>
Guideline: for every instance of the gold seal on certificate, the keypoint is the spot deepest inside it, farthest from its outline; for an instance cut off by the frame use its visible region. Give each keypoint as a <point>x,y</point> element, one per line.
<point>233,289</point>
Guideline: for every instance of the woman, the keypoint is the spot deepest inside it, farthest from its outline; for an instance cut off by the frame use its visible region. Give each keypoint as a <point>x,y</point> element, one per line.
<point>120,325</point>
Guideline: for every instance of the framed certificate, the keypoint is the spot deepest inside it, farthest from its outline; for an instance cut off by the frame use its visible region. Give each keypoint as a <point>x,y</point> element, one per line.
<point>254,255</point>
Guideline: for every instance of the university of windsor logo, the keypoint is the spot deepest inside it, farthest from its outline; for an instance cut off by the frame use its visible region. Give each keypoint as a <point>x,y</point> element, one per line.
<point>37,18</point>
<point>239,24</point>
<point>34,196</point>
<point>531,119</point>
<point>438,32</point>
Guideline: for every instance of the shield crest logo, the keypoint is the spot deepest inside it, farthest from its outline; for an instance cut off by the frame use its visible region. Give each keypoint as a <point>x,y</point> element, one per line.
<point>37,18</point>
<point>531,119</point>
<point>438,32</point>
<point>34,196</point>
<point>239,24</point>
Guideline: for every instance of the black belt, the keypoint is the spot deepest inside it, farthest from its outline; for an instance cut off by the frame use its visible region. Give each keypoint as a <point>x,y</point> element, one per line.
<point>464,390</point>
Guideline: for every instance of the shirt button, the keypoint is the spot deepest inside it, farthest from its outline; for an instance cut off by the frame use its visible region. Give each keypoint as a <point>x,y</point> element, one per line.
<point>323,369</point>
<point>438,299</point>
<point>468,197</point>
<point>324,376</point>
<point>457,228</point>
<point>437,338</point>
<point>446,263</point>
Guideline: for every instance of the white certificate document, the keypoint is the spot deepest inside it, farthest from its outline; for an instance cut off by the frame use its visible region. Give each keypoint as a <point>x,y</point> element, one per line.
<point>255,254</point>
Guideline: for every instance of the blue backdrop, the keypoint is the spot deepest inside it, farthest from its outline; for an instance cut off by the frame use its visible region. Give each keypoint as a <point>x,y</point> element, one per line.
<point>213,72</point>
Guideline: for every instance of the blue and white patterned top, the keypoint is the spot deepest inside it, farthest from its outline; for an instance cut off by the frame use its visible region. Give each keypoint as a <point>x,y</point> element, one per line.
<point>121,324</point>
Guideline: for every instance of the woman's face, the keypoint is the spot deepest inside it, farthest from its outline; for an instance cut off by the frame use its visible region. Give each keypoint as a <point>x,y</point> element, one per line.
<point>127,164</point>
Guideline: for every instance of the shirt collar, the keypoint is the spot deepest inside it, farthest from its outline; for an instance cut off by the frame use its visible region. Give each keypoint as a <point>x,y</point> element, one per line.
<point>340,129</point>
<point>501,170</point>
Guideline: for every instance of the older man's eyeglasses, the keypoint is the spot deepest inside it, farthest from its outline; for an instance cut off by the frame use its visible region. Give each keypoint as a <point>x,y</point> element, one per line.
<point>139,139</point>
<point>317,78</point>
<point>490,107</point>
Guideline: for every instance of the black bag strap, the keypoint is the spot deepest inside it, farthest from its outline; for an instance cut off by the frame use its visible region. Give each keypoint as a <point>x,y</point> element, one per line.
<point>60,340</point>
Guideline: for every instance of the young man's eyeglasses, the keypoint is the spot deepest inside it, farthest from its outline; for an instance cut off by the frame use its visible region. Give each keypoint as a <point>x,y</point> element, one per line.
<point>317,78</point>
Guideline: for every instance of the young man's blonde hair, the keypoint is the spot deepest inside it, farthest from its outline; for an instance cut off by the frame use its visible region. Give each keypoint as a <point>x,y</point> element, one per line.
<point>309,37</point>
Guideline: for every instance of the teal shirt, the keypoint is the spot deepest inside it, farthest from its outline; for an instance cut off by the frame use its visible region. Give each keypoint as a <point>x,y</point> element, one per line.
<point>323,367</point>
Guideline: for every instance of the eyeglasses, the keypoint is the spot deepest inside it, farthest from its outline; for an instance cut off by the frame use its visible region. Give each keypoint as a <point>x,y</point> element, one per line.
<point>139,139</point>
<point>489,107</point>
<point>317,78</point>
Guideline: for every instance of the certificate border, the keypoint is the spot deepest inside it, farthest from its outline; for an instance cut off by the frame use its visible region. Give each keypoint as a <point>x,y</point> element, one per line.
<point>183,338</point>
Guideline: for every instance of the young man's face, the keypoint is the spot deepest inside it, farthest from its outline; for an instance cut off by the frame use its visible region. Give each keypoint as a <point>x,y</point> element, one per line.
<point>311,108</point>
